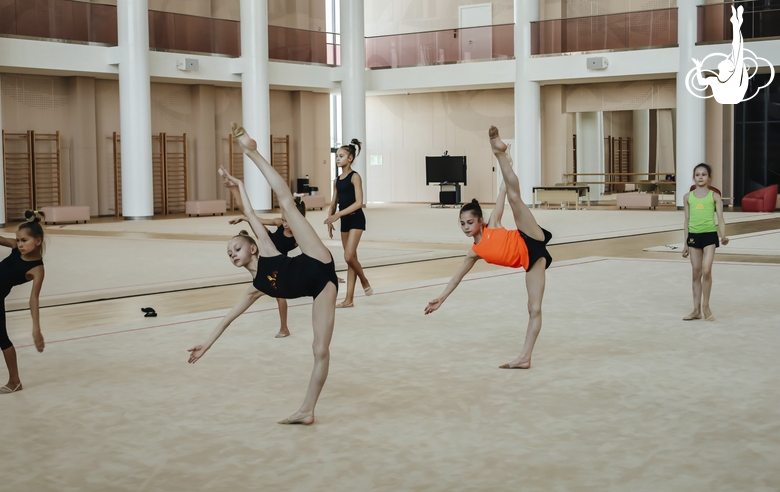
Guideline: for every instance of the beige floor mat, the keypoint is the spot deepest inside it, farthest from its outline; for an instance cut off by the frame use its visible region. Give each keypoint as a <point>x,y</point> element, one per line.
<point>623,395</point>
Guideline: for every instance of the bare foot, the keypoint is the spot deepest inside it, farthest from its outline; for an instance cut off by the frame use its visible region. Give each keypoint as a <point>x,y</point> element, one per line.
<point>244,140</point>
<point>298,418</point>
<point>517,364</point>
<point>694,315</point>
<point>496,143</point>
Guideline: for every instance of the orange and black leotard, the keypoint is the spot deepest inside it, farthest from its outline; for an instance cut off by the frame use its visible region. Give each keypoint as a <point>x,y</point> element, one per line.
<point>503,247</point>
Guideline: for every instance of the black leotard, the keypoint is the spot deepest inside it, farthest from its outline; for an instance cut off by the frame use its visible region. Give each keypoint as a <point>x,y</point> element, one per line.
<point>13,271</point>
<point>346,192</point>
<point>283,243</point>
<point>289,278</point>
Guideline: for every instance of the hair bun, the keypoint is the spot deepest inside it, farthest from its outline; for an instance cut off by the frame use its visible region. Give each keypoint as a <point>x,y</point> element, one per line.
<point>243,232</point>
<point>33,215</point>
<point>475,201</point>
<point>355,141</point>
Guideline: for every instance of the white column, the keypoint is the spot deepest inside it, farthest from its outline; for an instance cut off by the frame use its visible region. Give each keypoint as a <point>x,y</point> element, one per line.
<point>528,165</point>
<point>590,149</point>
<point>641,143</point>
<point>2,166</point>
<point>255,100</point>
<point>690,109</point>
<point>135,112</point>
<point>353,85</point>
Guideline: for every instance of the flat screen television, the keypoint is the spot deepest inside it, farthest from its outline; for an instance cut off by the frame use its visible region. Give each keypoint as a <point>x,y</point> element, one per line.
<point>445,168</point>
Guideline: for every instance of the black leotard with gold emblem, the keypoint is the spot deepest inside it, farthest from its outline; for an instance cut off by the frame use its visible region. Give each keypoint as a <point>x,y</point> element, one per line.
<point>289,278</point>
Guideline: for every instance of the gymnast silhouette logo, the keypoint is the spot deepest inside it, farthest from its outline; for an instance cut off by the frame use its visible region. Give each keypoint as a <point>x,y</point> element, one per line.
<point>729,85</point>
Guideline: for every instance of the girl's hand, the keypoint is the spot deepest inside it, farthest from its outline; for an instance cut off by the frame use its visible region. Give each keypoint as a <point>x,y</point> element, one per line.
<point>333,218</point>
<point>433,305</point>
<point>237,220</point>
<point>685,251</point>
<point>196,353</point>
<point>38,339</point>
<point>724,241</point>
<point>330,230</point>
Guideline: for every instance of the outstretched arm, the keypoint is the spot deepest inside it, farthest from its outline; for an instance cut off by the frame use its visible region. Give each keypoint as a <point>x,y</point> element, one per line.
<point>249,297</point>
<point>468,264</point>
<point>38,274</point>
<point>7,242</point>
<point>721,220</point>
<point>237,197</point>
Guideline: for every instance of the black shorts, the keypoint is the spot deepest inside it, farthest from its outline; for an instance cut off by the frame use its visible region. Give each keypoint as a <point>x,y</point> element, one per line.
<point>701,240</point>
<point>537,249</point>
<point>355,220</point>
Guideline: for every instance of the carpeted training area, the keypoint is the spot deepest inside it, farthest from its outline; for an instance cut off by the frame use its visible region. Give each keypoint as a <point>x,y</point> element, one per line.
<point>623,395</point>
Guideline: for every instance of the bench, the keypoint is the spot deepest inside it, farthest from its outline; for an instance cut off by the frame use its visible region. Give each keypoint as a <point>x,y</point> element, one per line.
<point>649,200</point>
<point>65,213</point>
<point>313,201</point>
<point>204,207</point>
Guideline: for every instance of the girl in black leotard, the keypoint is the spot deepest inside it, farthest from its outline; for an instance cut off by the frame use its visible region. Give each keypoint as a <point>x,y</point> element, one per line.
<point>310,274</point>
<point>348,193</point>
<point>285,242</point>
<point>25,263</point>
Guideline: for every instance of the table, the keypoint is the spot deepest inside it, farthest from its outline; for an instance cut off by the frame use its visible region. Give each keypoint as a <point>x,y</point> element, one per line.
<point>569,193</point>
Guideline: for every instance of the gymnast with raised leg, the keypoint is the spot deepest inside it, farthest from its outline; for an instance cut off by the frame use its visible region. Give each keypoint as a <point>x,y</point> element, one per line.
<point>348,194</point>
<point>25,263</point>
<point>312,273</point>
<point>525,247</point>
<point>283,240</point>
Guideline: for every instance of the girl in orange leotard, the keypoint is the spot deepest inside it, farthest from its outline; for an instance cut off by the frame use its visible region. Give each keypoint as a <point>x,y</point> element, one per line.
<point>525,247</point>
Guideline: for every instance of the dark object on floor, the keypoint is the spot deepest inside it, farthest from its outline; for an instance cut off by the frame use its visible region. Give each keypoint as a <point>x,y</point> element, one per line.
<point>150,313</point>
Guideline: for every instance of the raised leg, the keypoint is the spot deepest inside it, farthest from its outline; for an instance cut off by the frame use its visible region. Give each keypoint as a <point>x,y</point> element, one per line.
<point>307,239</point>
<point>708,256</point>
<point>322,317</point>
<point>524,219</point>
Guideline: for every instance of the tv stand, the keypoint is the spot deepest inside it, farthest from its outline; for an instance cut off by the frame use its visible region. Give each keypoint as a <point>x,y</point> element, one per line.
<point>449,195</point>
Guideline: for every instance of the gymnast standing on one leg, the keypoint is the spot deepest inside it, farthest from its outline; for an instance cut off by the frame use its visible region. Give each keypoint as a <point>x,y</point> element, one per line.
<point>701,238</point>
<point>312,274</point>
<point>25,263</point>
<point>525,247</point>
<point>348,193</point>
<point>284,242</point>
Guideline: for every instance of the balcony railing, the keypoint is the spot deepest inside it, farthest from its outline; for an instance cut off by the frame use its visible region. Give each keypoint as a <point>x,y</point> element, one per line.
<point>79,21</point>
<point>758,21</point>
<point>440,47</point>
<point>59,19</point>
<point>625,31</point>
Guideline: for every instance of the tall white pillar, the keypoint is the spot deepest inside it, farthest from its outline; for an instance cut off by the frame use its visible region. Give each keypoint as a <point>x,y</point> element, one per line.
<point>590,149</point>
<point>135,111</point>
<point>690,109</point>
<point>353,85</point>
<point>641,118</point>
<point>255,99</point>
<point>527,103</point>
<point>2,166</point>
